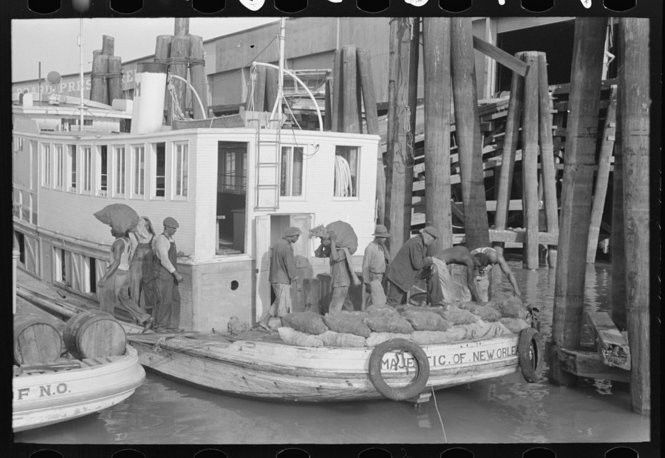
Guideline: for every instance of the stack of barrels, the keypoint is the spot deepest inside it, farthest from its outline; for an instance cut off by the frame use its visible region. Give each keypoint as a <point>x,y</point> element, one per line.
<point>181,52</point>
<point>106,76</point>
<point>91,334</point>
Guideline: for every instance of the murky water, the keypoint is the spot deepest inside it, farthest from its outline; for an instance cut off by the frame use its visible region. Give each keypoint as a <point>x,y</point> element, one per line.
<point>505,409</point>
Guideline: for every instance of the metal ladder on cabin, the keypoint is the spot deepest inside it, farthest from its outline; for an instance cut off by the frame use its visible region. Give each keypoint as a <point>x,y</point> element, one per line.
<point>267,170</point>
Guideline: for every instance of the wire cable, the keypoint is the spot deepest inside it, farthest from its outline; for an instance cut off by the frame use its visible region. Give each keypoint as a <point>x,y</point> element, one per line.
<point>436,406</point>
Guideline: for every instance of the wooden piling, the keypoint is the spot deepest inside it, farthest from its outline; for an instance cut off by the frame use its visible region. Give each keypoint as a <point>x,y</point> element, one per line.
<point>350,105</point>
<point>399,157</point>
<point>366,77</point>
<point>530,163</point>
<point>634,98</point>
<point>162,52</point>
<point>107,45</point>
<point>581,140</point>
<point>547,156</point>
<point>336,112</point>
<point>178,67</point>
<point>272,83</point>
<point>467,131</point>
<point>602,176</point>
<point>617,249</point>
<point>327,120</point>
<point>256,97</point>
<point>115,78</point>
<point>98,84</point>
<point>510,138</point>
<point>198,76</point>
<point>438,94</point>
<point>181,26</point>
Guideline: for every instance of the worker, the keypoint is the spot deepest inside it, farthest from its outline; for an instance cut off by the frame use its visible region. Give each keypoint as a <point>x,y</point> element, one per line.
<point>113,288</point>
<point>442,288</point>
<point>409,262</point>
<point>141,289</point>
<point>488,257</point>
<point>282,274</point>
<point>340,272</point>
<point>166,310</point>
<point>375,260</point>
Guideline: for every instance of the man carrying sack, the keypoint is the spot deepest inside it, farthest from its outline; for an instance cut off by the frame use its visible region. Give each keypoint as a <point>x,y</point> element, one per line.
<point>282,274</point>
<point>375,260</point>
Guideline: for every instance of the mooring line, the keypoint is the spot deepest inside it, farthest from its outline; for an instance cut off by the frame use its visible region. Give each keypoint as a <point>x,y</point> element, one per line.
<point>436,406</point>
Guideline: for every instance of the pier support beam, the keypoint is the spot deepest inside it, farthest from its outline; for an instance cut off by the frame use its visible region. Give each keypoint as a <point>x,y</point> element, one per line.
<point>602,176</point>
<point>467,130</point>
<point>436,66</point>
<point>513,119</point>
<point>577,183</point>
<point>547,156</point>
<point>635,102</point>
<point>350,92</point>
<point>530,162</point>
<point>336,111</point>
<point>178,67</point>
<point>400,139</point>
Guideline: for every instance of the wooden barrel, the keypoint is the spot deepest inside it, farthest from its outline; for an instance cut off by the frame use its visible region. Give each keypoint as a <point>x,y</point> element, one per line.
<point>94,334</point>
<point>36,341</point>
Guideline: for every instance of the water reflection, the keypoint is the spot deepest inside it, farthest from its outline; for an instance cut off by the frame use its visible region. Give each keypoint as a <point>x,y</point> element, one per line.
<point>505,409</point>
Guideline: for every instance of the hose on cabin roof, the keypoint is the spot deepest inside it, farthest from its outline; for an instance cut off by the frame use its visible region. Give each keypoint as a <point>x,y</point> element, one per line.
<point>343,182</point>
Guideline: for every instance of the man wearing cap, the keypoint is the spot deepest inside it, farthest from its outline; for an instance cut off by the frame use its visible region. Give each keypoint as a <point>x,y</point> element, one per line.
<point>282,274</point>
<point>410,260</point>
<point>166,311</point>
<point>375,260</point>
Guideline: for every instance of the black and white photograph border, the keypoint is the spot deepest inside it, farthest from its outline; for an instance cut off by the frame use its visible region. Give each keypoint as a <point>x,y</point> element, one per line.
<point>334,230</point>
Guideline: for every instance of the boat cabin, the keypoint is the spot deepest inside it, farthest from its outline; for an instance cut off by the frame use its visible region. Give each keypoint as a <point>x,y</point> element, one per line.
<point>233,190</point>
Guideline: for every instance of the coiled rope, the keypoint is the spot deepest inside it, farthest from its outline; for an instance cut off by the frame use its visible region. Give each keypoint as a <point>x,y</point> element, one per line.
<point>343,182</point>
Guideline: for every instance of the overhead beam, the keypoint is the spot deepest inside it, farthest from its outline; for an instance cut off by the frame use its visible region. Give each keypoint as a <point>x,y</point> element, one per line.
<point>501,56</point>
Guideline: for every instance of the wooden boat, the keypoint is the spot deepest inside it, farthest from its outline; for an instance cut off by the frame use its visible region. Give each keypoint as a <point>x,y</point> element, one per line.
<point>52,393</point>
<point>267,368</point>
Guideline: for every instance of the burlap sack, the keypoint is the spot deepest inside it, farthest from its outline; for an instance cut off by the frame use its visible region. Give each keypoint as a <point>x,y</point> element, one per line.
<point>346,323</point>
<point>308,322</point>
<point>487,313</point>
<point>515,325</point>
<point>510,307</point>
<point>293,337</point>
<point>377,338</point>
<point>456,316</point>
<point>483,330</point>
<point>338,339</point>
<point>430,337</point>
<point>381,310</point>
<point>425,320</point>
<point>388,323</point>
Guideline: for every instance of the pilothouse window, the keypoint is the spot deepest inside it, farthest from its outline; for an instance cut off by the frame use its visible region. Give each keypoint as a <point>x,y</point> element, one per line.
<point>71,167</point>
<point>46,165</point>
<point>102,170</point>
<point>291,172</point>
<point>87,168</point>
<point>59,167</point>
<point>181,170</point>
<point>119,170</point>
<point>159,170</point>
<point>139,171</point>
<point>346,171</point>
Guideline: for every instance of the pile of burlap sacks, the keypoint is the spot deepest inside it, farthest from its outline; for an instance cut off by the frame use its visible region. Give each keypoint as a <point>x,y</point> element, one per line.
<point>422,325</point>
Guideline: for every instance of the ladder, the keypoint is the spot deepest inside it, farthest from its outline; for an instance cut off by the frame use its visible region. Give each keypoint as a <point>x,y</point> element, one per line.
<point>267,169</point>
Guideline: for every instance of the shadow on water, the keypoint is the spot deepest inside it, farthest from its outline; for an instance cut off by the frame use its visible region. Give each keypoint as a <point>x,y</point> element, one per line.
<point>505,409</point>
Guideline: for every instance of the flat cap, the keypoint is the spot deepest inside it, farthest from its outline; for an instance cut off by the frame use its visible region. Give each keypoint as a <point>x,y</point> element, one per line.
<point>431,230</point>
<point>291,231</point>
<point>171,222</point>
<point>381,231</point>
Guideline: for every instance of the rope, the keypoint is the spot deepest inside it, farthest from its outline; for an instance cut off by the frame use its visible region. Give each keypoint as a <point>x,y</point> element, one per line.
<point>436,406</point>
<point>343,182</point>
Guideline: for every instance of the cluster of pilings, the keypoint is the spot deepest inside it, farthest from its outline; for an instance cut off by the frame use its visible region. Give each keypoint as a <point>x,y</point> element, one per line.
<point>183,53</point>
<point>448,47</point>
<point>106,75</point>
<point>264,87</point>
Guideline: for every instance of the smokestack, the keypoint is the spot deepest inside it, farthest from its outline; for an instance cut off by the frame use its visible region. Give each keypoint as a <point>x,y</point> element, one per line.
<point>148,112</point>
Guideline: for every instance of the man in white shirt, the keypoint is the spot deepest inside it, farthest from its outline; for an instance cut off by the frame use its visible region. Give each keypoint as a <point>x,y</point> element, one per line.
<point>166,311</point>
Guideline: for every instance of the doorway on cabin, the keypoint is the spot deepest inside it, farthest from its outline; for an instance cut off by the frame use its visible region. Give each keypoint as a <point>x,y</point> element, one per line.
<point>231,197</point>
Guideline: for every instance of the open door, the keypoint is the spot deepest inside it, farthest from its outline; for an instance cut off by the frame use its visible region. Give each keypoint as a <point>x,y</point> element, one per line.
<point>262,259</point>
<point>302,251</point>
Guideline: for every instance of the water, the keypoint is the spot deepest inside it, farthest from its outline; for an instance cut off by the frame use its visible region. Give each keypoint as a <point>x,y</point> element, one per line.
<point>504,409</point>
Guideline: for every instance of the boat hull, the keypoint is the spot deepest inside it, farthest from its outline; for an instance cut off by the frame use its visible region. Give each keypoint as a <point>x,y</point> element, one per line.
<point>48,398</point>
<point>289,373</point>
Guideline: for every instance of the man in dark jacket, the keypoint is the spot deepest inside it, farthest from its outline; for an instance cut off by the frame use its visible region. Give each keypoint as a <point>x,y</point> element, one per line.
<point>282,273</point>
<point>410,260</point>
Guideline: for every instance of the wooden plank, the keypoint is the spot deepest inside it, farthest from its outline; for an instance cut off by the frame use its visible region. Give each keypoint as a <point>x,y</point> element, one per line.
<point>468,132</point>
<point>588,364</point>
<point>634,99</point>
<point>516,65</point>
<point>577,181</point>
<point>547,155</point>
<point>602,177</point>
<point>350,97</point>
<point>530,162</point>
<point>612,345</point>
<point>336,112</point>
<point>436,66</point>
<point>508,158</point>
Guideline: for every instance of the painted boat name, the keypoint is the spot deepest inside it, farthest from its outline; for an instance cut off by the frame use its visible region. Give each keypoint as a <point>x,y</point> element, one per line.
<point>40,391</point>
<point>403,361</point>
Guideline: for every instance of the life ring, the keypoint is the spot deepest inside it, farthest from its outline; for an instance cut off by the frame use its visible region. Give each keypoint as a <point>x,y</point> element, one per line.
<point>411,390</point>
<point>529,352</point>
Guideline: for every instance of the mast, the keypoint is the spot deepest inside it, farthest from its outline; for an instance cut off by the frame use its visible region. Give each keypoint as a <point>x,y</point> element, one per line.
<point>280,81</point>
<point>80,74</point>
